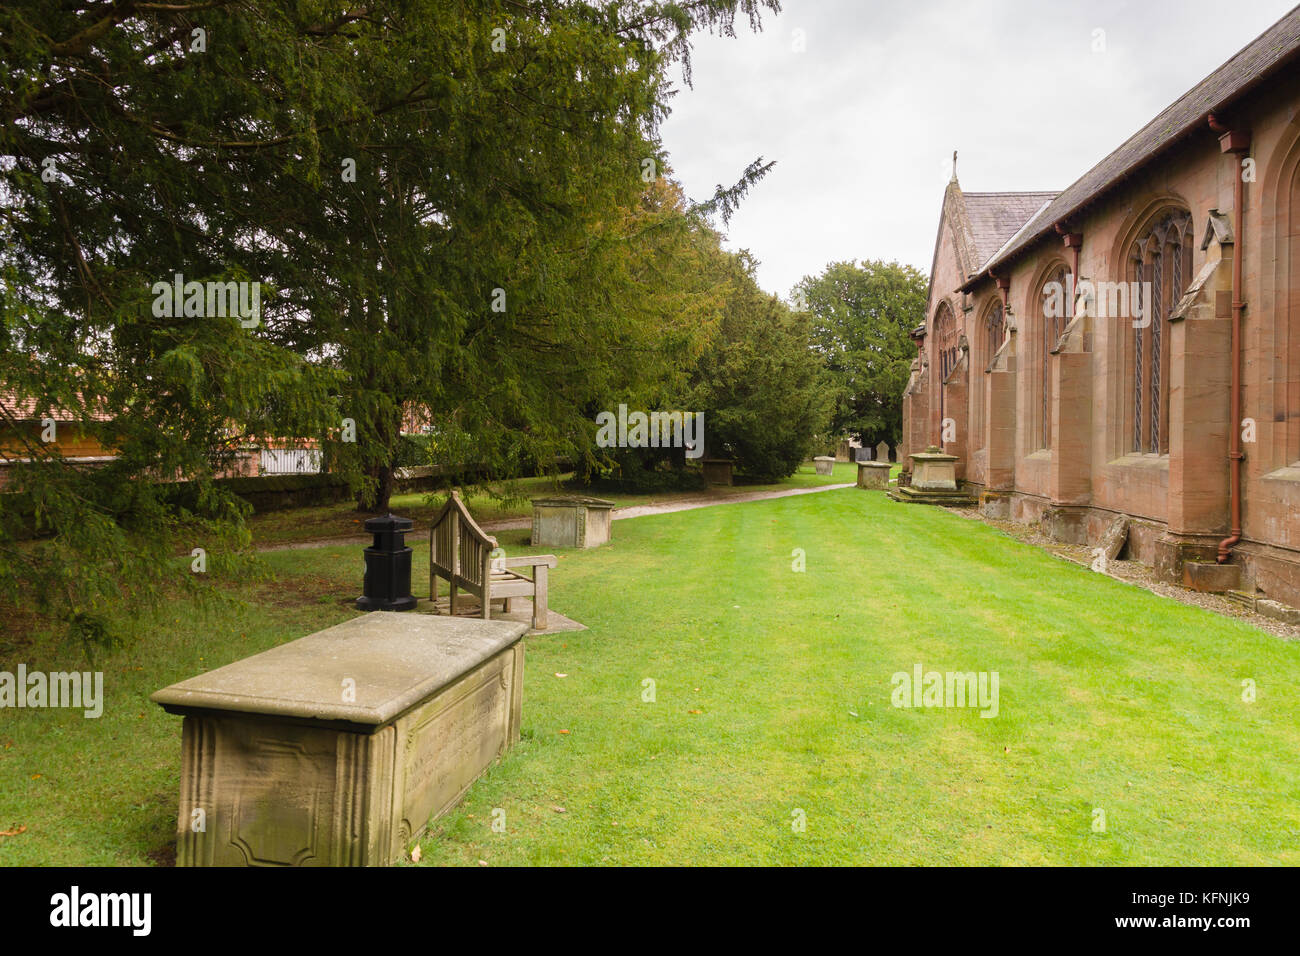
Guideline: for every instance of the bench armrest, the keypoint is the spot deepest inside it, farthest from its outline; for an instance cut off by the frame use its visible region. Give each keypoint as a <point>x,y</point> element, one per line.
<point>549,560</point>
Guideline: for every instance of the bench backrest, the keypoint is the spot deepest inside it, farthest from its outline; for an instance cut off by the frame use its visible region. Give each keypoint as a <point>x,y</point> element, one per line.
<point>459,550</point>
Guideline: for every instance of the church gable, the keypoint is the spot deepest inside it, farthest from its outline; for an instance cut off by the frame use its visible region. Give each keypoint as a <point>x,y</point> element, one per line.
<point>953,248</point>
<point>973,227</point>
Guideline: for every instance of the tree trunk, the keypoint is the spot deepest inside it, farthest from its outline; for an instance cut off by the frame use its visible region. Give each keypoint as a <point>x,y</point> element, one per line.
<point>385,478</point>
<point>385,492</point>
<point>387,425</point>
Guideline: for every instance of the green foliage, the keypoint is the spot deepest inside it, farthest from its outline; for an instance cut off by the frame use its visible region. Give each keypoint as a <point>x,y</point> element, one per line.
<point>646,471</point>
<point>414,451</point>
<point>759,384</point>
<point>215,140</point>
<point>862,316</point>
<point>265,492</point>
<point>749,369</point>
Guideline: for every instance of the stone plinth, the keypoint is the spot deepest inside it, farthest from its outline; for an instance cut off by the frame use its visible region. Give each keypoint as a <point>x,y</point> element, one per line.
<point>996,505</point>
<point>934,480</point>
<point>717,471</point>
<point>571,521</point>
<point>932,470</point>
<point>873,474</point>
<point>338,748</point>
<point>1212,578</point>
<point>825,464</point>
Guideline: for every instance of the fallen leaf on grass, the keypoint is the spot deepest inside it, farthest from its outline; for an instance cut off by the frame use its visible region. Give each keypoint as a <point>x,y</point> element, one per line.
<point>559,809</point>
<point>695,711</point>
<point>558,674</point>
<point>13,832</point>
<point>564,731</point>
<point>415,853</point>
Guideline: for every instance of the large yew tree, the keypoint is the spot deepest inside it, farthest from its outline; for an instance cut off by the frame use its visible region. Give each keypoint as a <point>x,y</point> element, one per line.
<point>447,205</point>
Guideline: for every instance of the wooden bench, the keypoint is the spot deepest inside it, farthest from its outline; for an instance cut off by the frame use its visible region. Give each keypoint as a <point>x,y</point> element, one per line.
<point>460,552</point>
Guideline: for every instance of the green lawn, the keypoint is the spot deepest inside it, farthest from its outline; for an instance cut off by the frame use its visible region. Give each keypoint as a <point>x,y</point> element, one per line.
<point>772,694</point>
<point>512,501</point>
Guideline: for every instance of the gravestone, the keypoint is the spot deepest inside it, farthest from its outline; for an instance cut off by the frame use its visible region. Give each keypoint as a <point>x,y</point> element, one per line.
<point>882,451</point>
<point>873,474</point>
<point>825,464</point>
<point>338,748</point>
<point>1114,539</point>
<point>571,521</point>
<point>717,471</point>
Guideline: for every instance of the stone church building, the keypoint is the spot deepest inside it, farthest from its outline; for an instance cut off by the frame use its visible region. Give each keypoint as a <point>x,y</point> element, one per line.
<point>1130,347</point>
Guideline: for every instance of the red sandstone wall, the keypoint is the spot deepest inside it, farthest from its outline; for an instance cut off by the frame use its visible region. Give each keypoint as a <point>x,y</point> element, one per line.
<point>1094,465</point>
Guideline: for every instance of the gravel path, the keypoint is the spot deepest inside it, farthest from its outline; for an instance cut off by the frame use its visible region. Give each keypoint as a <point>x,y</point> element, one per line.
<point>509,524</point>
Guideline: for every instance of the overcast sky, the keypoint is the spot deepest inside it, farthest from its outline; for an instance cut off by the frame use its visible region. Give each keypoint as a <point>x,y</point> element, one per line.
<point>863,122</point>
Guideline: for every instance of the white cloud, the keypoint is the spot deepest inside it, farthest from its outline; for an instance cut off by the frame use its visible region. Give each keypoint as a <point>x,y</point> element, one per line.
<point>863,123</point>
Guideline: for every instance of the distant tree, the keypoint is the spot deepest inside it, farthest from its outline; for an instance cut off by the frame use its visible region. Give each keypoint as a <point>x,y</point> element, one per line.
<point>861,319</point>
<point>759,384</point>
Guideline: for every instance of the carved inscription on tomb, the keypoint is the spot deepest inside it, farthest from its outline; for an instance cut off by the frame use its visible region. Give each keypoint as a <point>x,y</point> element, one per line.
<point>451,741</point>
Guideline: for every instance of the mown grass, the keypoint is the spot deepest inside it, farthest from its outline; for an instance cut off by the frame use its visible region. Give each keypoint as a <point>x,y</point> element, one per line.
<point>772,694</point>
<point>511,500</point>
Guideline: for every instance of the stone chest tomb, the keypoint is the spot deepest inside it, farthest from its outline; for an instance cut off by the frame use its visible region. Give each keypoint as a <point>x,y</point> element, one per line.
<point>571,521</point>
<point>338,748</point>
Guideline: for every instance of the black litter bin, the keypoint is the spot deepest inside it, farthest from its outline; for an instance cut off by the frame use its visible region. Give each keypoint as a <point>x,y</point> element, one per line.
<point>387,585</point>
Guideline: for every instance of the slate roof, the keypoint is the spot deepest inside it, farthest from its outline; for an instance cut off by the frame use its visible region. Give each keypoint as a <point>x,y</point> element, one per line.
<point>981,224</point>
<point>995,217</point>
<point>1264,56</point>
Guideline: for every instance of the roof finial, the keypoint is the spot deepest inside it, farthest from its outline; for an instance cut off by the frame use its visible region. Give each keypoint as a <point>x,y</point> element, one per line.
<point>954,165</point>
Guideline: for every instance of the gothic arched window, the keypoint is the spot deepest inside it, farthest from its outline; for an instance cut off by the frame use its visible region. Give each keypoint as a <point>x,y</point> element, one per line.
<point>1160,265</point>
<point>945,340</point>
<point>990,332</point>
<point>995,328</point>
<point>1053,301</point>
<point>1286,270</point>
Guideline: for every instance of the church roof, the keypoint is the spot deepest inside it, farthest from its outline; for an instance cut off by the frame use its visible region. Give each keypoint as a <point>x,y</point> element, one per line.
<point>995,217</point>
<point>1247,68</point>
<point>981,224</point>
